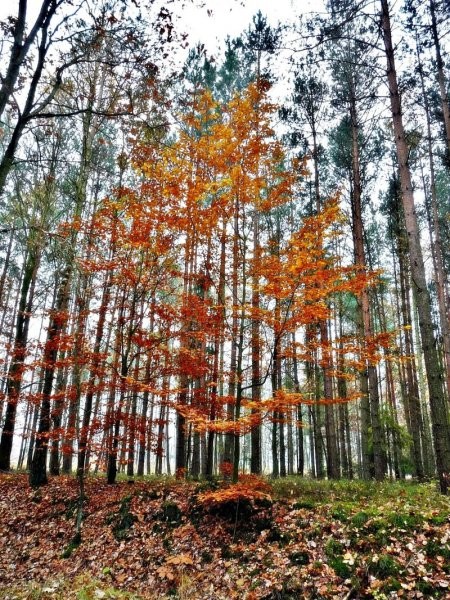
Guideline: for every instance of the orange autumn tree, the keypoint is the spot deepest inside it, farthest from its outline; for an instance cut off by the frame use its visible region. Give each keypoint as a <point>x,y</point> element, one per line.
<point>131,265</point>
<point>184,179</point>
<point>174,268</point>
<point>224,165</point>
<point>203,188</point>
<point>300,280</point>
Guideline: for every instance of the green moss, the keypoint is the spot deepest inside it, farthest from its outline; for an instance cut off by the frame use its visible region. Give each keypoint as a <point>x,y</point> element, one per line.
<point>276,535</point>
<point>433,548</point>
<point>228,552</point>
<point>428,589</point>
<point>307,504</point>
<point>381,539</point>
<point>360,519</point>
<point>167,544</point>
<point>71,546</point>
<point>212,483</point>
<point>289,591</point>
<point>333,548</point>
<point>123,520</point>
<point>438,519</point>
<point>299,558</point>
<point>314,533</point>
<point>340,515</point>
<point>377,524</point>
<point>207,557</point>
<point>82,587</point>
<point>341,568</point>
<point>302,523</point>
<point>391,585</point>
<point>385,566</point>
<point>405,520</point>
<point>170,514</point>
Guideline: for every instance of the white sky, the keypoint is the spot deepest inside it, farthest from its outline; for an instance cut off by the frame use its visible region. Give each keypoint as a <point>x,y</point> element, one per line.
<point>208,22</point>
<point>232,17</point>
<point>213,22</point>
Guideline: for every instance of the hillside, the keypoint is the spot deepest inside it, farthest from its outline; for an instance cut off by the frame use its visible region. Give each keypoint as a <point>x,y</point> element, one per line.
<point>157,539</point>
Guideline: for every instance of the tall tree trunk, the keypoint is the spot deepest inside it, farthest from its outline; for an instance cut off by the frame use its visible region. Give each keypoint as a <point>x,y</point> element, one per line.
<point>332,458</point>
<point>218,345</point>
<point>239,367</point>
<point>95,372</point>
<point>57,324</point>
<point>410,390</point>
<point>300,423</point>
<point>364,308</point>
<point>232,381</point>
<point>443,93</point>
<point>143,419</point>
<point>255,464</point>
<point>16,368</point>
<point>439,417</point>
<point>123,345</point>
<point>435,232</point>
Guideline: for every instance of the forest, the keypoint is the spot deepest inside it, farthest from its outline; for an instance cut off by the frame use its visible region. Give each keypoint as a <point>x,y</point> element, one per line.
<point>224,301</point>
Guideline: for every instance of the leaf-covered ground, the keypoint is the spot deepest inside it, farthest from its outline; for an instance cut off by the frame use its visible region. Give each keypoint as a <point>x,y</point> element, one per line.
<point>153,539</point>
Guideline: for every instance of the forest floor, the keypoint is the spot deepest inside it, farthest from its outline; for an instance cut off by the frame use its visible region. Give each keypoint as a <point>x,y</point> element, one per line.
<point>156,539</point>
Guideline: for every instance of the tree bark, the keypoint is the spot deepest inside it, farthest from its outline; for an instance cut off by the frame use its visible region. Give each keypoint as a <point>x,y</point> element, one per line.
<point>16,368</point>
<point>440,425</point>
<point>363,301</point>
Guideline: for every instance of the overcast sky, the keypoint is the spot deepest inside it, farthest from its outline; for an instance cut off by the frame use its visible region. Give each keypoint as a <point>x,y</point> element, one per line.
<point>220,18</point>
<point>211,23</point>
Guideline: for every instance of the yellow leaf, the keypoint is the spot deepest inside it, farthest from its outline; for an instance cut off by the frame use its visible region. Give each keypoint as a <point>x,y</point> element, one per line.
<point>180,559</point>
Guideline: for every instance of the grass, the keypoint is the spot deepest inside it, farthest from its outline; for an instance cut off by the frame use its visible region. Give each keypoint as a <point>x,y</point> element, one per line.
<point>83,587</point>
<point>407,503</point>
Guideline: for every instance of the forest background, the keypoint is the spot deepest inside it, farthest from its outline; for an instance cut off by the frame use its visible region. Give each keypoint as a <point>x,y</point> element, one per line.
<point>237,264</point>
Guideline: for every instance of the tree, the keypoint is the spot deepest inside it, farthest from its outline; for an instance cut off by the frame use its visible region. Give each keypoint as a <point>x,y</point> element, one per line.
<point>102,39</point>
<point>441,432</point>
<point>351,67</point>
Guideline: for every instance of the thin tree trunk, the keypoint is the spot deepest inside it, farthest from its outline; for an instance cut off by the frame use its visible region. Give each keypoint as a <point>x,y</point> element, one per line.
<point>300,423</point>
